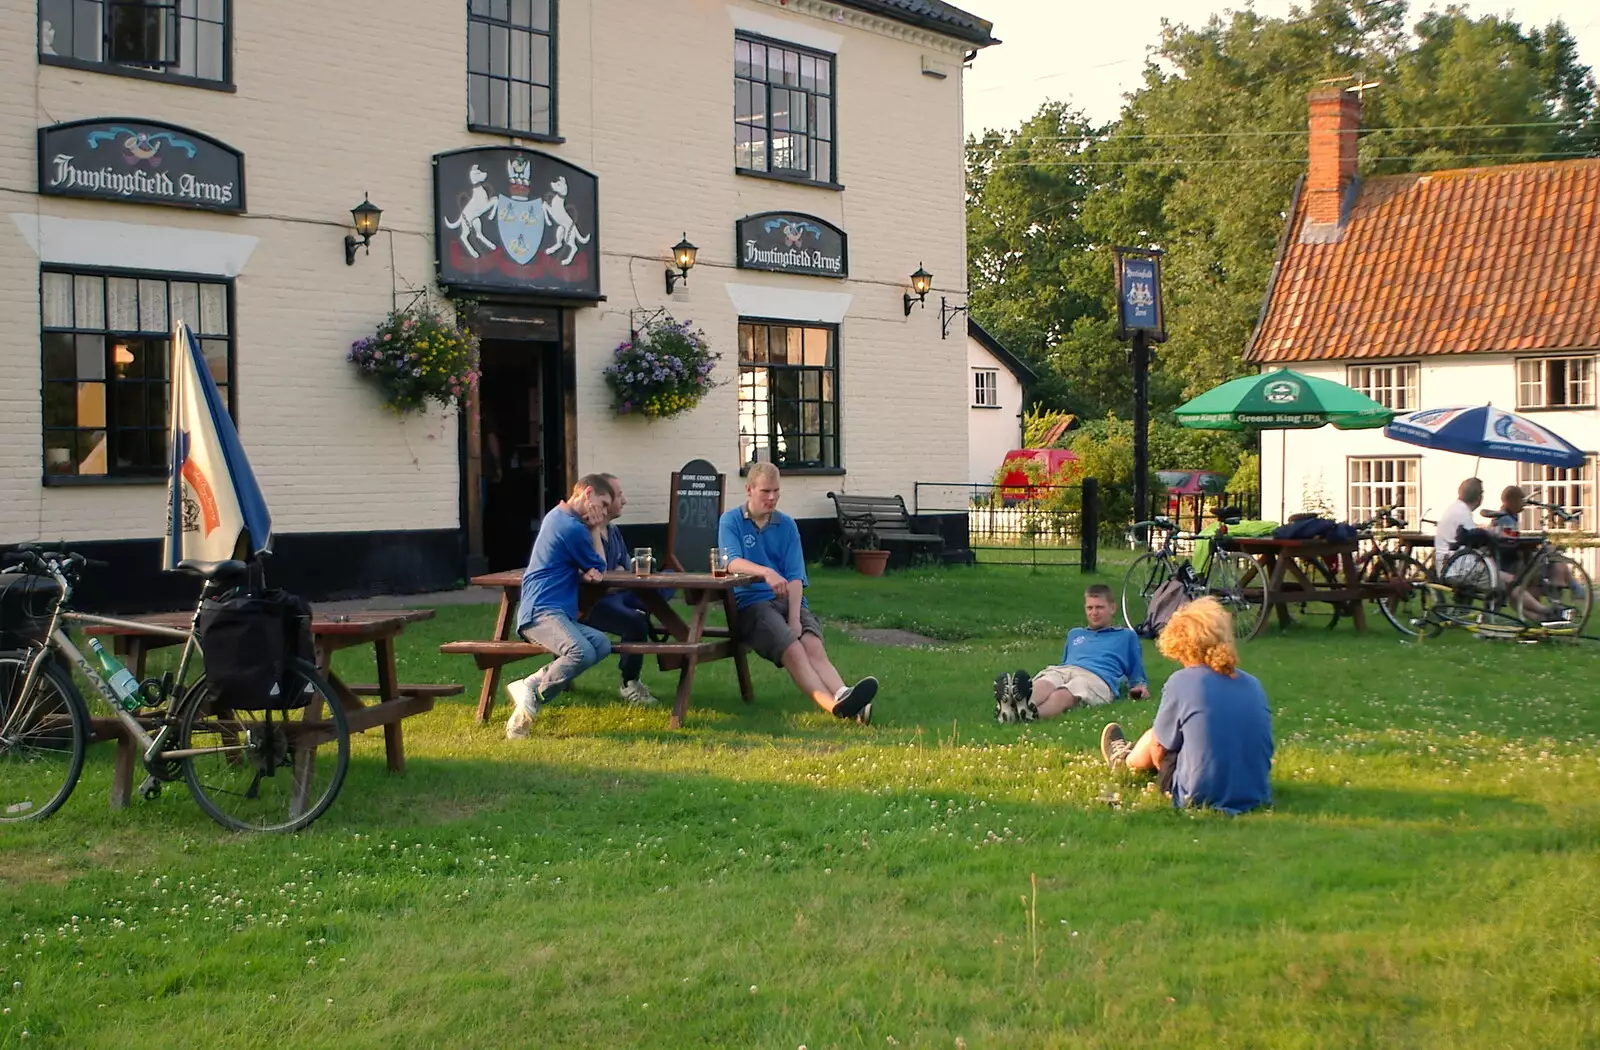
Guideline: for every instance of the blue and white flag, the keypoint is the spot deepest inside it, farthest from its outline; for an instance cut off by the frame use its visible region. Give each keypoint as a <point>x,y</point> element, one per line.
<point>213,501</point>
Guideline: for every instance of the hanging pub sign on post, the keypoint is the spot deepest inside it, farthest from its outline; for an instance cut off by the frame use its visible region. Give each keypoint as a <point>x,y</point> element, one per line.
<point>1139,308</point>
<point>1140,317</point>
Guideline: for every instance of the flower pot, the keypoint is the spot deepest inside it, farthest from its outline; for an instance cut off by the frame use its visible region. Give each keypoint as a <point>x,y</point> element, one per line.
<point>871,563</point>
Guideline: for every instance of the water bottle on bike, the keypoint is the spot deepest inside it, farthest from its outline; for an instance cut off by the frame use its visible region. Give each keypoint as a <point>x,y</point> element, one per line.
<point>118,677</point>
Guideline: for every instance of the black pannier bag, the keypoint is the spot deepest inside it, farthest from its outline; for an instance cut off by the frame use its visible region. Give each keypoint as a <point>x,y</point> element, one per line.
<point>25,604</point>
<point>248,641</point>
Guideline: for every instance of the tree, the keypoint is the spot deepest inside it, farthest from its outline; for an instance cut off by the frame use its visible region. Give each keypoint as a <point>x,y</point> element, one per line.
<point>1202,163</point>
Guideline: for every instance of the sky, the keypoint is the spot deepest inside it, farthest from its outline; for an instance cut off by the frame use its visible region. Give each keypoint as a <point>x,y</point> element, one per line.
<point>1090,52</point>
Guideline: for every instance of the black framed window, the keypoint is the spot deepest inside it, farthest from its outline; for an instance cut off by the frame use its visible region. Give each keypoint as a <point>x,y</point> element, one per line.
<point>783,109</point>
<point>511,67</point>
<point>789,394</point>
<point>185,40</point>
<point>107,341</point>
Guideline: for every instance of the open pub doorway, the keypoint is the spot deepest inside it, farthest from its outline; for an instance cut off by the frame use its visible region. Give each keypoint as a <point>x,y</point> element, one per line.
<point>522,444</point>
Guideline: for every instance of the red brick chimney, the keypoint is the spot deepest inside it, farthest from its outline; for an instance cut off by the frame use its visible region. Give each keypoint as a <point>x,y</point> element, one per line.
<point>1335,119</point>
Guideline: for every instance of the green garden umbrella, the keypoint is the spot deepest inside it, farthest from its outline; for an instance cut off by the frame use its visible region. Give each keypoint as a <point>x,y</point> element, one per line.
<point>1282,400</point>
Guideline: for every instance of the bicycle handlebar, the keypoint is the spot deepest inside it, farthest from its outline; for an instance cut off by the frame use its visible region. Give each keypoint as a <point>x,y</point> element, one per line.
<point>33,558</point>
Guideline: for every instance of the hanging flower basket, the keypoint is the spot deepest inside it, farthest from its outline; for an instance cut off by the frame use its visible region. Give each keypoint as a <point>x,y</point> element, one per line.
<point>418,355</point>
<point>663,372</point>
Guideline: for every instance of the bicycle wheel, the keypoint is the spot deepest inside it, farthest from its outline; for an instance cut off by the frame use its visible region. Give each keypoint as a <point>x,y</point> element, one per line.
<point>1407,610</point>
<point>1563,588</point>
<point>1470,576</point>
<point>42,738</point>
<point>1487,623</point>
<point>1147,572</point>
<point>1234,580</point>
<point>266,770</point>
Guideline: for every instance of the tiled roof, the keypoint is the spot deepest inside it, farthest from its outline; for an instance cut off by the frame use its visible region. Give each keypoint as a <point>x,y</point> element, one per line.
<point>931,14</point>
<point>1477,260</point>
<point>1013,363</point>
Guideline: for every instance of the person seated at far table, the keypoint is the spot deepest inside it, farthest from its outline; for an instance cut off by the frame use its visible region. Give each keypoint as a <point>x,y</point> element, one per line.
<point>563,556</point>
<point>1457,516</point>
<point>1095,661</point>
<point>774,619</point>
<point>1211,744</point>
<point>1526,602</point>
<point>620,612</point>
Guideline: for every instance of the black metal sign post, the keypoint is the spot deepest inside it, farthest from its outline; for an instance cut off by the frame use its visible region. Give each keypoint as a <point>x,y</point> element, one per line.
<point>1140,316</point>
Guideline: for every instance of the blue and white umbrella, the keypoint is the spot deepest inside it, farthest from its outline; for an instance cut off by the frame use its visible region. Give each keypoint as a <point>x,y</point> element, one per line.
<point>215,506</point>
<point>1485,431</point>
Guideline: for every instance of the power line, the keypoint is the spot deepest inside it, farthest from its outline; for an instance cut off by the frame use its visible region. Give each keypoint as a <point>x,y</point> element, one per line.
<point>1167,161</point>
<point>1118,137</point>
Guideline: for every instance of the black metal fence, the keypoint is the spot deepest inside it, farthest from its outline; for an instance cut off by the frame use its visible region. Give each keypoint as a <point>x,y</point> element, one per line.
<point>1033,525</point>
<point>1193,513</point>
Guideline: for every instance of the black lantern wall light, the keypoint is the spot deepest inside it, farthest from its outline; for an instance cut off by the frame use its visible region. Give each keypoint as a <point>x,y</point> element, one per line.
<point>683,254</point>
<point>921,281</point>
<point>365,216</point>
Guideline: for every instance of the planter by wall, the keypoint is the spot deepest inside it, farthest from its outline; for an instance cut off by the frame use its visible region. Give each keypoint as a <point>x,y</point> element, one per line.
<point>870,563</point>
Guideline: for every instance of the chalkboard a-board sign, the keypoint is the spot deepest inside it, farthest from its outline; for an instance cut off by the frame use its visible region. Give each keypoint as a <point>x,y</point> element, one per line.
<point>692,525</point>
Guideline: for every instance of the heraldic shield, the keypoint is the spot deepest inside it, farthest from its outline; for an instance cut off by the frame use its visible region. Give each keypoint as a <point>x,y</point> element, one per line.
<point>522,224</point>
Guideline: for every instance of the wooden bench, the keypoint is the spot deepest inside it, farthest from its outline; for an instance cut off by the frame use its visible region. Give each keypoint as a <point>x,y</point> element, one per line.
<point>871,521</point>
<point>406,689</point>
<point>490,655</point>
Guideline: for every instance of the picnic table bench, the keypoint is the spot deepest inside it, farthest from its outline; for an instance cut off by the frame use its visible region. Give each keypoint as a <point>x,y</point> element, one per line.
<point>693,642</point>
<point>394,700</point>
<point>875,520</point>
<point>1293,572</point>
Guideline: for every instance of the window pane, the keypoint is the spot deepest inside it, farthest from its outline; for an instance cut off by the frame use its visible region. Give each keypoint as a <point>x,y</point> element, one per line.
<point>540,51</point>
<point>499,51</point>
<point>60,356</point>
<point>213,309</point>
<point>521,12</point>
<point>477,47</point>
<point>122,304</point>
<point>209,51</point>
<point>56,294</point>
<point>777,345</point>
<point>758,343</point>
<point>824,118</point>
<point>810,385</point>
<point>499,9</point>
<point>824,168</point>
<point>85,31</point>
<point>91,404</point>
<point>542,121</point>
<point>808,72</point>
<point>88,295</point>
<point>774,65</point>
<point>541,15</point>
<point>91,452</point>
<point>153,306</point>
<point>741,58</point>
<point>186,303</point>
<point>758,150</point>
<point>477,100</point>
<point>141,358</point>
<point>520,60</point>
<point>91,357</point>
<point>60,405</point>
<point>129,399</point>
<point>758,61</point>
<point>521,105</point>
<point>498,104</point>
<point>825,77</point>
<point>480,7</point>
<point>816,346</point>
<point>216,354</point>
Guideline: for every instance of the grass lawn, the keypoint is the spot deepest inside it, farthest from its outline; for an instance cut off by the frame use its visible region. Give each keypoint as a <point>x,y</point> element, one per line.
<point>772,877</point>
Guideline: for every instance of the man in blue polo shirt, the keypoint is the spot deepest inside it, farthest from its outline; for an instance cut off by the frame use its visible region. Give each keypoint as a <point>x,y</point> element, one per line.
<point>563,555</point>
<point>774,620</point>
<point>1094,663</point>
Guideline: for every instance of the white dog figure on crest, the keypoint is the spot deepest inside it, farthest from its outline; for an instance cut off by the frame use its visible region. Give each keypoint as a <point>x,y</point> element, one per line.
<point>480,206</point>
<point>555,211</point>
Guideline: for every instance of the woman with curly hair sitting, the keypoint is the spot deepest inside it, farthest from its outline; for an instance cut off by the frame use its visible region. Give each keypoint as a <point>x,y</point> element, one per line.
<point>1212,740</point>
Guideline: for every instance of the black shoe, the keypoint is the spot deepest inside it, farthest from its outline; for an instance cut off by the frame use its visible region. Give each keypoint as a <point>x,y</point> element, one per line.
<point>1005,698</point>
<point>1022,687</point>
<point>1114,746</point>
<point>857,698</point>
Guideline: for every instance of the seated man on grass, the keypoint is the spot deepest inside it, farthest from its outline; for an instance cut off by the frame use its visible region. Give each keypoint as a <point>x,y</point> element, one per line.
<point>773,618</point>
<point>1094,663</point>
<point>1211,744</point>
<point>563,555</point>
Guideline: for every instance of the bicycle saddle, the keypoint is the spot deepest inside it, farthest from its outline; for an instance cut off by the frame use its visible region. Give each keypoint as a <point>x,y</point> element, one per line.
<point>214,570</point>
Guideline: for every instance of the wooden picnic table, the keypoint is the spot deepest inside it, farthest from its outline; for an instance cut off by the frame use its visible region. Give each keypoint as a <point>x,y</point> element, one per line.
<point>693,643</point>
<point>392,700</point>
<point>1292,572</point>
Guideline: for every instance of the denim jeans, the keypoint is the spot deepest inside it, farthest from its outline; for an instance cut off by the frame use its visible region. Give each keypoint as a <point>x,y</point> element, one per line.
<point>576,647</point>
<point>613,615</point>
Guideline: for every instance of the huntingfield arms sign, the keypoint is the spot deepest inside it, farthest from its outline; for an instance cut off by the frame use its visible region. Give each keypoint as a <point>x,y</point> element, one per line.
<point>790,242</point>
<point>141,162</point>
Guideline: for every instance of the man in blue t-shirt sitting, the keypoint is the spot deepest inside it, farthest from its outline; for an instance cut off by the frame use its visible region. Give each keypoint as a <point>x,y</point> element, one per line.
<point>1095,661</point>
<point>1211,744</point>
<point>564,554</point>
<point>774,620</point>
<point>620,612</point>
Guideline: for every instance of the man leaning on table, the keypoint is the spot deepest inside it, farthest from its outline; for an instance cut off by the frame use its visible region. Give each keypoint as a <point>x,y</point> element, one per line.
<point>564,555</point>
<point>774,619</point>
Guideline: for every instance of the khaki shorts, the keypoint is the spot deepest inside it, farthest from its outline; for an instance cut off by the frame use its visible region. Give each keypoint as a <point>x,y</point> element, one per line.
<point>1085,685</point>
<point>764,627</point>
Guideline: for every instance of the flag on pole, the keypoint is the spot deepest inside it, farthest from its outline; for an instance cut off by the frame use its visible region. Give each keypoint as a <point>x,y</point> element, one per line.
<point>213,501</point>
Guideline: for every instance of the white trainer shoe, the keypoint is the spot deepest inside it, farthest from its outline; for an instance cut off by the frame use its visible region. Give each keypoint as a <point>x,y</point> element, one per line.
<point>637,693</point>
<point>525,700</point>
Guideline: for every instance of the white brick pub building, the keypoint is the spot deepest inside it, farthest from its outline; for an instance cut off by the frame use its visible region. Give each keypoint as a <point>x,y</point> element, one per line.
<point>200,159</point>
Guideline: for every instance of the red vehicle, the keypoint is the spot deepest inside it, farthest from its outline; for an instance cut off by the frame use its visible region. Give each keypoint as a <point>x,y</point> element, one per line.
<point>1017,487</point>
